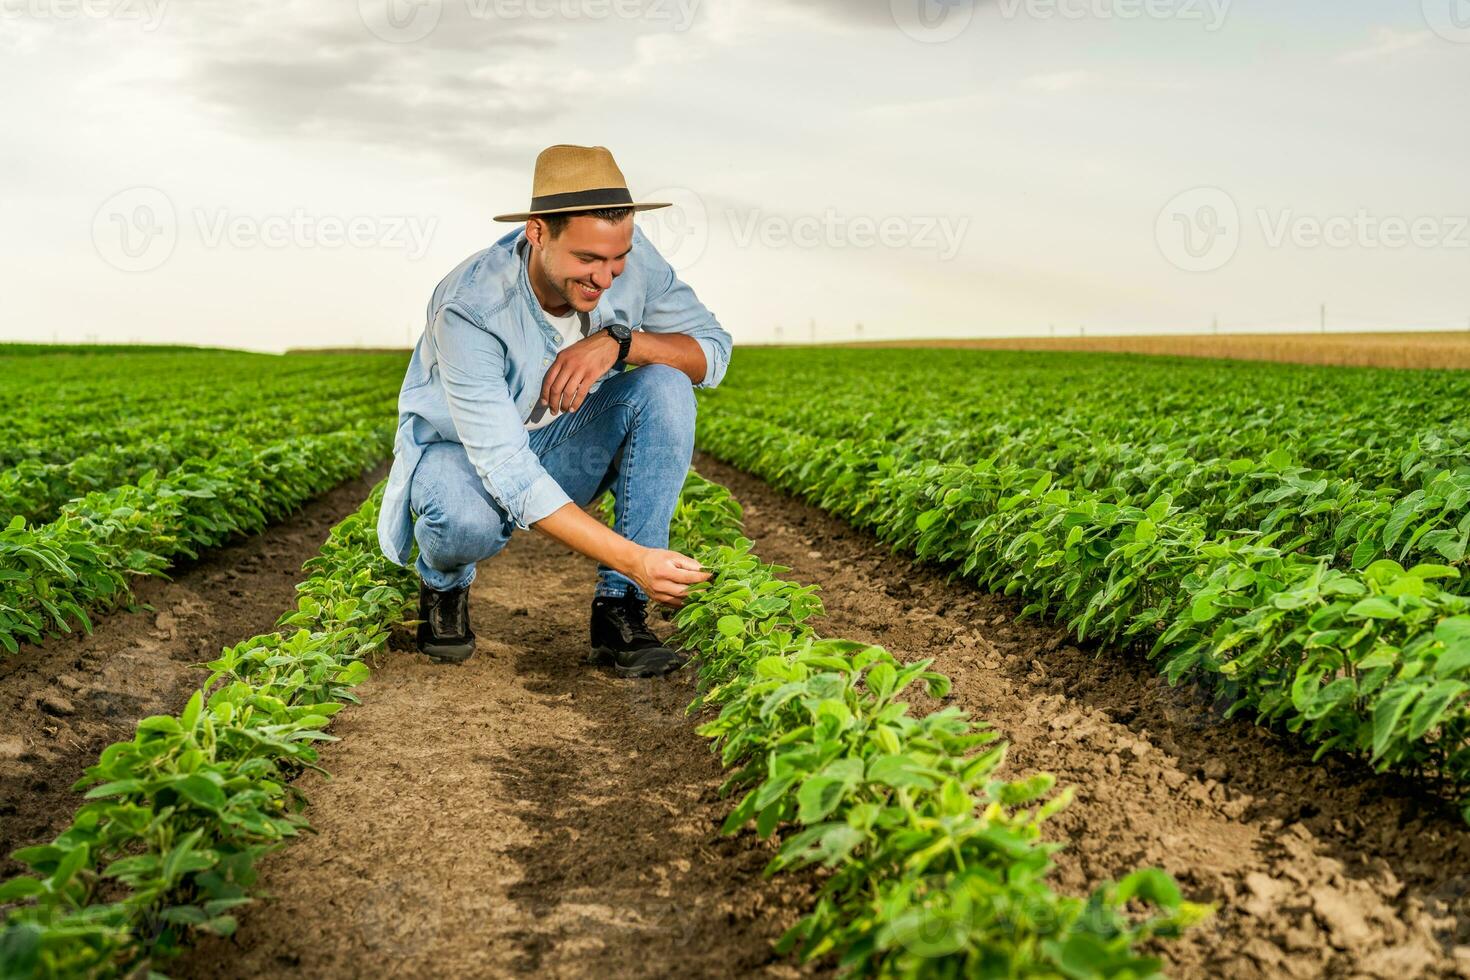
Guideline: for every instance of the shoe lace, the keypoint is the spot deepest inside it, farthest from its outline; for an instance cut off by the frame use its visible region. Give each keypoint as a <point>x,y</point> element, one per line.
<point>632,619</point>
<point>447,615</point>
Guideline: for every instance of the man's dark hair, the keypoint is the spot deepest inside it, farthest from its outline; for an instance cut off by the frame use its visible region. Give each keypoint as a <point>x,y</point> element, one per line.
<point>556,222</point>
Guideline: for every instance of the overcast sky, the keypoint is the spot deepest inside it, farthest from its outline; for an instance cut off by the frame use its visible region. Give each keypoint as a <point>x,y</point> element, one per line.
<point>266,174</point>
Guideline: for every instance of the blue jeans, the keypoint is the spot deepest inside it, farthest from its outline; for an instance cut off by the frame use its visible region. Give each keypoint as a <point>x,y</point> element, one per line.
<point>634,434</point>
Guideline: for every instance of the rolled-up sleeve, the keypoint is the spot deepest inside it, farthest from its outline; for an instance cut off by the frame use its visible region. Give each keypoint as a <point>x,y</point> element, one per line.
<point>471,364</point>
<point>670,306</point>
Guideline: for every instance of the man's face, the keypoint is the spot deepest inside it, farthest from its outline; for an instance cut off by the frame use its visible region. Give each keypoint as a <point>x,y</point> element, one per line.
<point>584,259</point>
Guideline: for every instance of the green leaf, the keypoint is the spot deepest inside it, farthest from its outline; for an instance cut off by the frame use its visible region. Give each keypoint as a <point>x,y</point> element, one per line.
<point>1151,885</point>
<point>1374,607</point>
<point>20,887</point>
<point>199,790</point>
<point>190,714</point>
<point>1432,705</point>
<point>881,678</point>
<point>1386,714</point>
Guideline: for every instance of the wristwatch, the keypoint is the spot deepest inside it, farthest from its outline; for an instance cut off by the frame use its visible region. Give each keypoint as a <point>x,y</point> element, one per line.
<point>623,334</point>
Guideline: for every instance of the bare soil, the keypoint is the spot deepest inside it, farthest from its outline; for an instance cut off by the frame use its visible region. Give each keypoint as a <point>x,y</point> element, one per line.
<point>1317,868</point>
<point>66,699</point>
<point>521,814</point>
<point>1406,349</point>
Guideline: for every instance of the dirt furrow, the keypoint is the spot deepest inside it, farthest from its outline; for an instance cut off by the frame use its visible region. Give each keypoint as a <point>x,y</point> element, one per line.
<point>1318,868</point>
<point>64,700</point>
<point>520,814</point>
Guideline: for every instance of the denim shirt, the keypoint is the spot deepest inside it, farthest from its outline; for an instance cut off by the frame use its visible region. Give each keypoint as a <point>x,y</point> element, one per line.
<point>476,373</point>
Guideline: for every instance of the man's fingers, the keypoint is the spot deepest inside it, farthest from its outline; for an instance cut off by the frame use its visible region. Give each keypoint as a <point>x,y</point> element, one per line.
<point>571,395</point>
<point>581,396</point>
<point>687,576</point>
<point>561,390</point>
<point>547,385</point>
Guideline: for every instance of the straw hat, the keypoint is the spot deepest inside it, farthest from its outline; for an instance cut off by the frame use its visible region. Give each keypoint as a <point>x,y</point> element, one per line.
<point>577,178</point>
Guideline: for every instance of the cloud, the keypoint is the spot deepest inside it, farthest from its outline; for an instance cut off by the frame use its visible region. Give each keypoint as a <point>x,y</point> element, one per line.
<point>1387,43</point>
<point>448,93</point>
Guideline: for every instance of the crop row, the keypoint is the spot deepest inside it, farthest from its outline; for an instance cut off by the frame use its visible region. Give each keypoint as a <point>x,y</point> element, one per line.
<point>145,398</point>
<point>958,406</point>
<point>51,575</point>
<point>1374,662</point>
<point>178,816</point>
<point>1348,463</point>
<point>35,490</point>
<point>1350,524</point>
<point>935,864</point>
<point>48,396</point>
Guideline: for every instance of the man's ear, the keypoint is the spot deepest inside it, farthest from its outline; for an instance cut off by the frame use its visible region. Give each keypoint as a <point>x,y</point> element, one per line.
<point>535,231</point>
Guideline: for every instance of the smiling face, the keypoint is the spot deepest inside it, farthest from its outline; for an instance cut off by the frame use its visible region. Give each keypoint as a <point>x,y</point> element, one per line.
<point>574,267</point>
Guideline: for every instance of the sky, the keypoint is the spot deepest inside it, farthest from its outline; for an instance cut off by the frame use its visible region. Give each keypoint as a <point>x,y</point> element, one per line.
<point>269,174</point>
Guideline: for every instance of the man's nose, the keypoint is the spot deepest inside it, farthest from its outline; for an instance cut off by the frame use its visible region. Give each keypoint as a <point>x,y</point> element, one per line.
<point>602,279</point>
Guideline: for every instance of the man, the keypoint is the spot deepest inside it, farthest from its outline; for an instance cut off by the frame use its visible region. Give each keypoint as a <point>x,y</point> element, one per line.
<point>516,411</point>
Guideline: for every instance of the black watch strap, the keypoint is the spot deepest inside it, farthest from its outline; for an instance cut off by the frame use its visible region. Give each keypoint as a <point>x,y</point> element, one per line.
<point>623,343</point>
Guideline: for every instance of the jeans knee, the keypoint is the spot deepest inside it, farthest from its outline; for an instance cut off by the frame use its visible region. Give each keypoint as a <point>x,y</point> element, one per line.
<point>666,399</point>
<point>449,539</point>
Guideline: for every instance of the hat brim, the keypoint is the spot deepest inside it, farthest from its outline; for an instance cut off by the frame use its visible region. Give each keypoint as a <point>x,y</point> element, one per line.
<point>638,206</point>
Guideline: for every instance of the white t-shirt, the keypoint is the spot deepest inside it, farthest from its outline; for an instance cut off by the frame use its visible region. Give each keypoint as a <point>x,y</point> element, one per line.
<point>572,327</point>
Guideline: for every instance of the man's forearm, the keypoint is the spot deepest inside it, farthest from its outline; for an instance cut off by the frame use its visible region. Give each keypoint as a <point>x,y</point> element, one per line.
<point>584,534</point>
<point>674,349</point>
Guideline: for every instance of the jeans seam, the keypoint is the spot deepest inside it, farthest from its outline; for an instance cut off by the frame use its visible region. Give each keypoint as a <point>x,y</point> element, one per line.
<point>583,421</point>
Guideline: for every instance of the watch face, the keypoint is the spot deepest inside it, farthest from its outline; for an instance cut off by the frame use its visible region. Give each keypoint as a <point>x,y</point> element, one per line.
<point>620,330</point>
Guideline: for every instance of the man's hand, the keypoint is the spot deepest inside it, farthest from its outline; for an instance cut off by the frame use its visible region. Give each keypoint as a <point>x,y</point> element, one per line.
<point>574,371</point>
<point>665,575</point>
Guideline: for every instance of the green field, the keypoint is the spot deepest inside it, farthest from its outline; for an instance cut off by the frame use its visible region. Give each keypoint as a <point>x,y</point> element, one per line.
<point>1291,539</point>
<point>1296,535</point>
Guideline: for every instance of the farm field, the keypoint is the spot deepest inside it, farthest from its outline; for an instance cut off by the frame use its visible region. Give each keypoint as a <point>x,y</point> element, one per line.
<point>1397,349</point>
<point>1179,685</point>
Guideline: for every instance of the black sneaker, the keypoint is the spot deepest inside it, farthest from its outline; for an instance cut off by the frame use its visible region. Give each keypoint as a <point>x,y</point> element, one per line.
<point>445,633</point>
<point>622,640</point>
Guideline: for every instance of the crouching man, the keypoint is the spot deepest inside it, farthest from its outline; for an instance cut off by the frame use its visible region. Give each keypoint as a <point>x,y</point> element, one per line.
<point>516,411</point>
